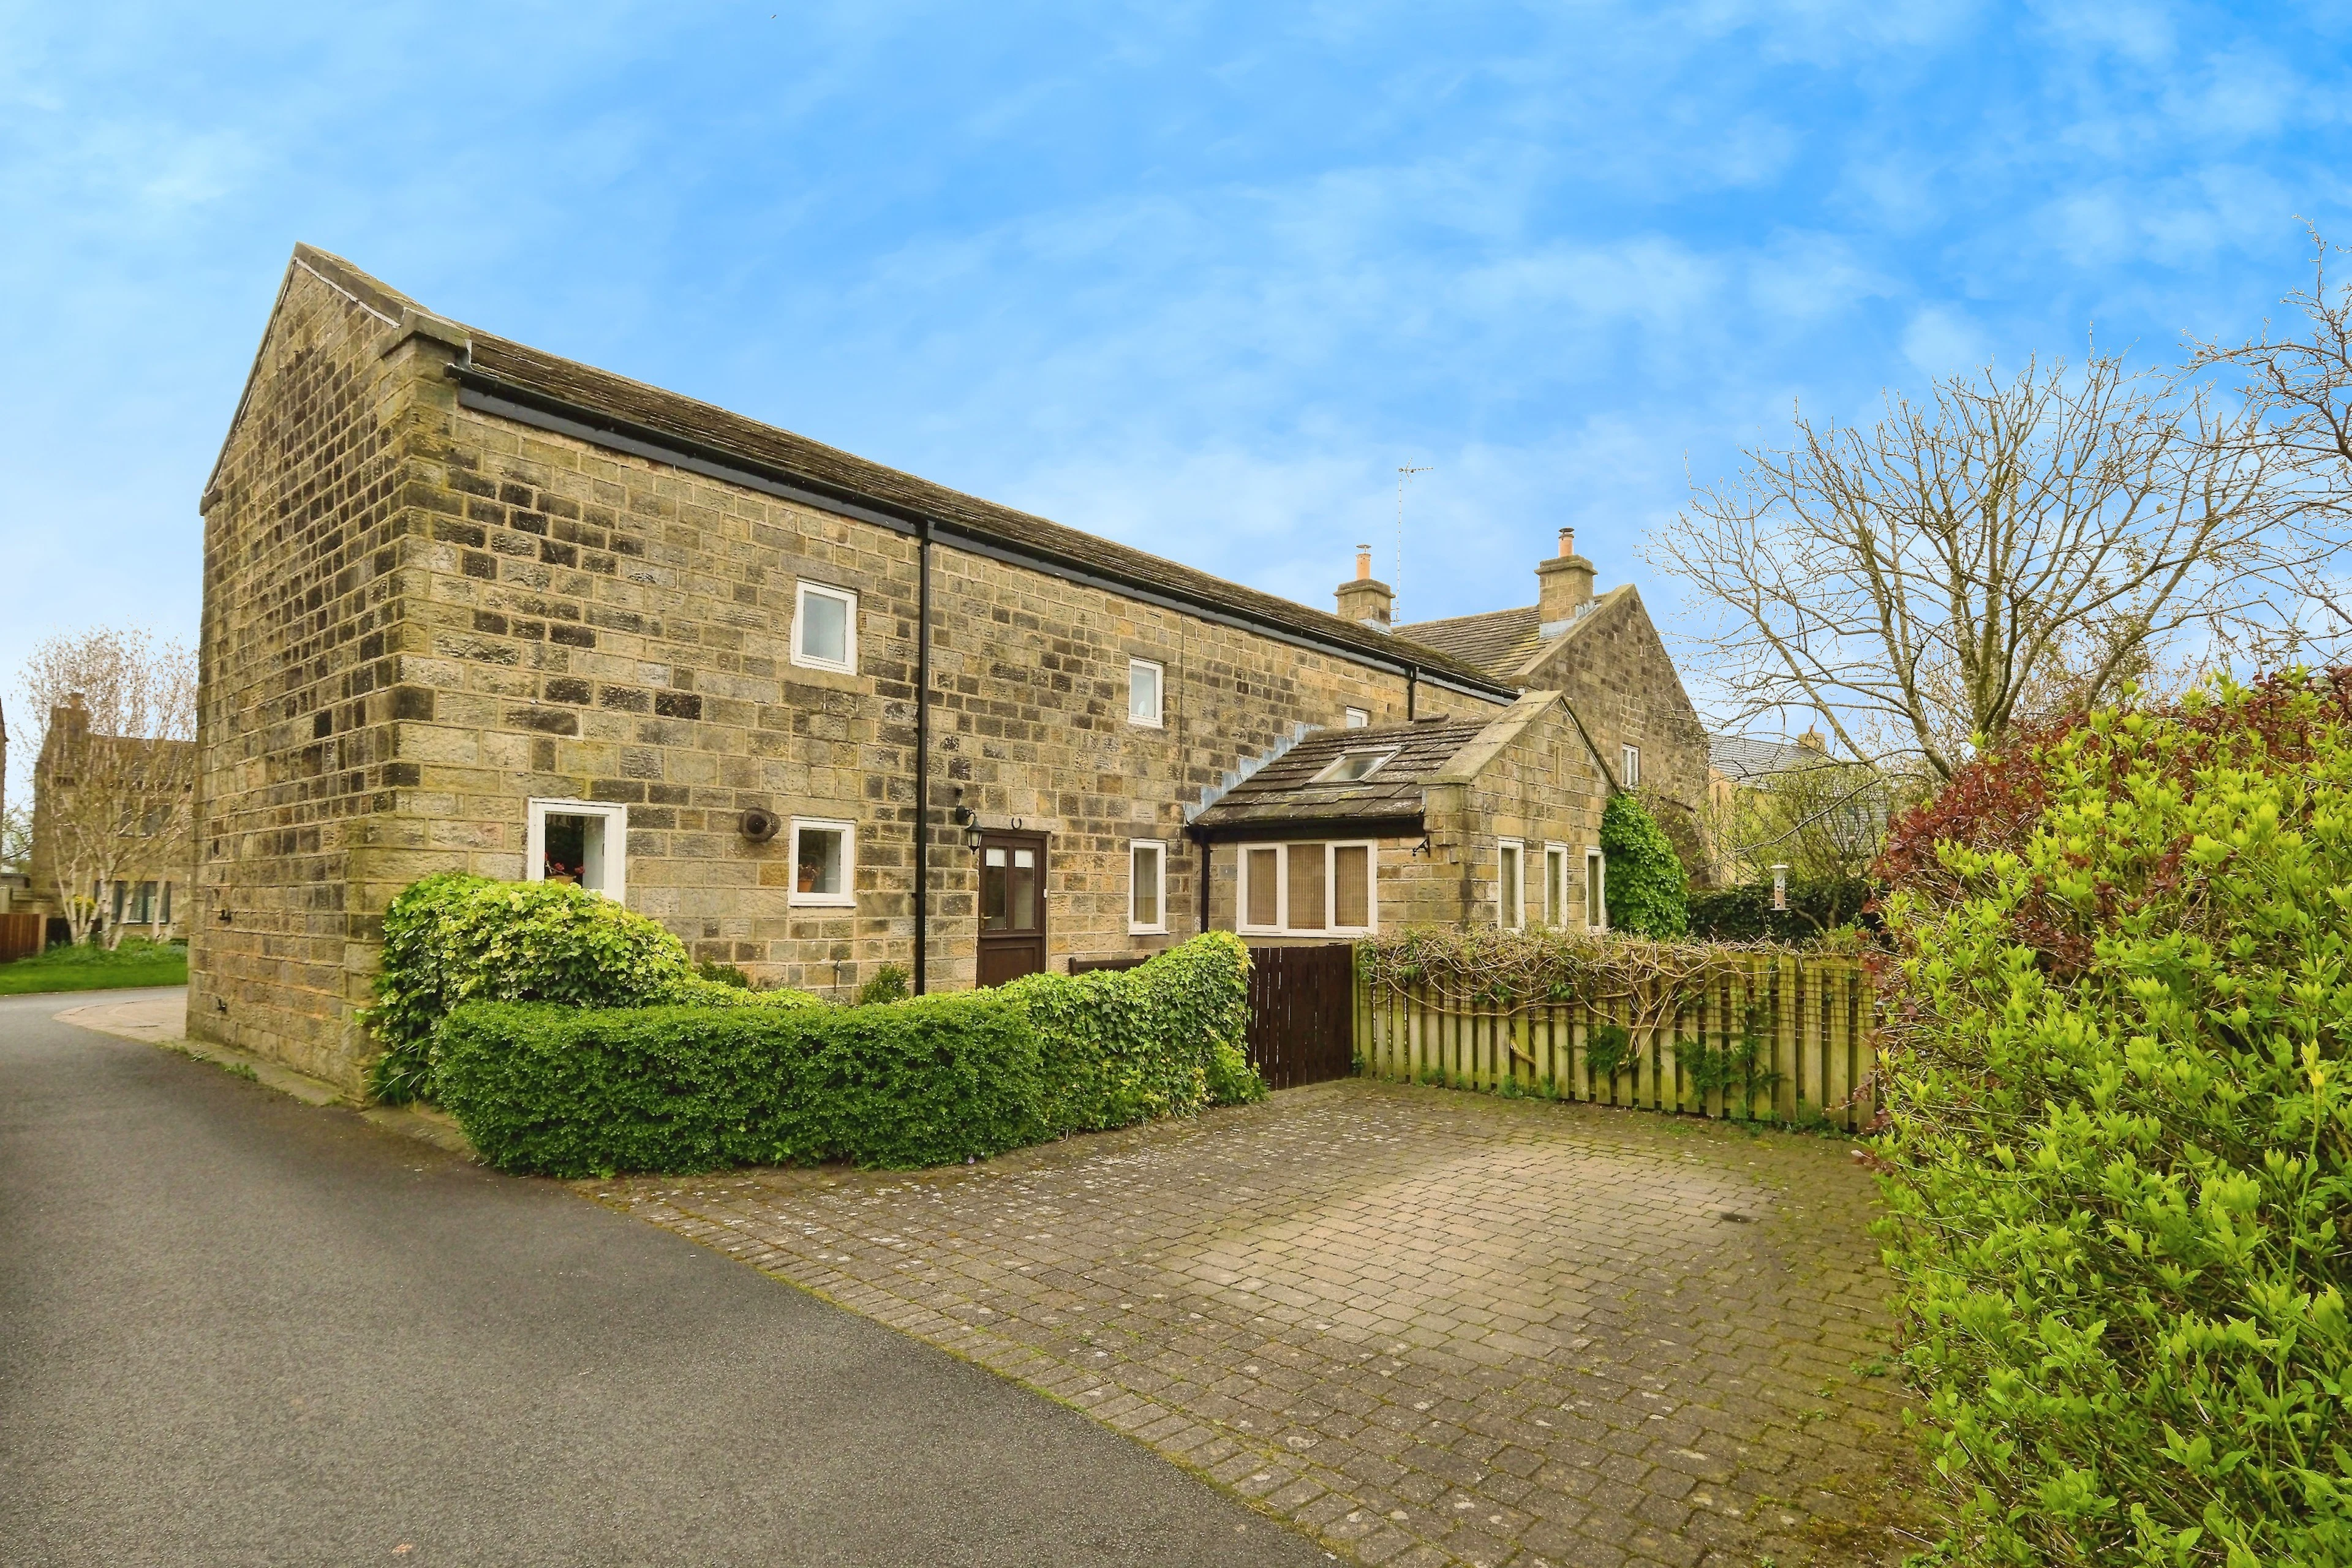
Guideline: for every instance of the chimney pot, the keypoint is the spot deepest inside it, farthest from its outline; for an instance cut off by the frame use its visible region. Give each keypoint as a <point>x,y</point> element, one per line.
<point>1363,564</point>
<point>1567,541</point>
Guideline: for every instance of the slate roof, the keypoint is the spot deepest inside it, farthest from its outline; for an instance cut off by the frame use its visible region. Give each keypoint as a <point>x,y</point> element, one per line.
<point>1280,793</point>
<point>609,401</point>
<point>1498,640</point>
<point>1501,642</point>
<point>1743,759</point>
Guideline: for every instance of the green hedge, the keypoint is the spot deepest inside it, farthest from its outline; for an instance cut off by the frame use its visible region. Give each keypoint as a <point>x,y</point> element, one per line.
<point>452,938</point>
<point>565,1091</point>
<point>1125,1045</point>
<point>1744,912</point>
<point>2122,1147</point>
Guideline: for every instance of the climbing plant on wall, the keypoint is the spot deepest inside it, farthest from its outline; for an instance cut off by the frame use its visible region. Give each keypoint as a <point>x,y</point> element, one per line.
<point>1647,892</point>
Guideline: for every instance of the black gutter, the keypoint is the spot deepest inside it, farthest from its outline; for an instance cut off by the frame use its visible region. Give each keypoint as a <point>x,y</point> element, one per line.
<point>489,394</point>
<point>1265,829</point>
<point>922,755</point>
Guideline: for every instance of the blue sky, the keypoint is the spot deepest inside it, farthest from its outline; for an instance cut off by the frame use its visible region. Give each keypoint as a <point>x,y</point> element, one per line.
<point>1199,276</point>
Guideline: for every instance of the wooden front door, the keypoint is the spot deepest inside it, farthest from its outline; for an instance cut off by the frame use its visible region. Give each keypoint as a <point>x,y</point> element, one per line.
<point>1012,905</point>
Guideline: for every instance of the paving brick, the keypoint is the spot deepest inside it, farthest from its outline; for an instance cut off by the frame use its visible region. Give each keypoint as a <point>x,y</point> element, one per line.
<point>1291,1298</point>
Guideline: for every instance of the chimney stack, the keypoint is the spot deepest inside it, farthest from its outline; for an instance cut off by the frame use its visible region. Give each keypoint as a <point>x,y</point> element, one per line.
<point>1563,587</point>
<point>1366,600</point>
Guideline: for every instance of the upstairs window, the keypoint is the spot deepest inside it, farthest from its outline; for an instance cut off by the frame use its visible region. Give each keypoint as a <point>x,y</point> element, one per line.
<point>1510,884</point>
<point>824,628</point>
<point>824,863</point>
<point>1147,887</point>
<point>1356,718</point>
<point>1353,765</point>
<point>1309,889</point>
<point>582,842</point>
<point>1629,764</point>
<point>1143,683</point>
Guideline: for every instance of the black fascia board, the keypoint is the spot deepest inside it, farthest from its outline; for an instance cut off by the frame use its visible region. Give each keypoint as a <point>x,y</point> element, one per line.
<point>1298,829</point>
<point>487,393</point>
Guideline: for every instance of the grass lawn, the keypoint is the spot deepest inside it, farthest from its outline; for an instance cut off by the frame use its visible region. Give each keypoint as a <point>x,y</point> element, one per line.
<point>135,962</point>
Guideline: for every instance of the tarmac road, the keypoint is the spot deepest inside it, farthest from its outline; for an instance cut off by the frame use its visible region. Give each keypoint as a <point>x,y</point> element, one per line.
<point>235,1329</point>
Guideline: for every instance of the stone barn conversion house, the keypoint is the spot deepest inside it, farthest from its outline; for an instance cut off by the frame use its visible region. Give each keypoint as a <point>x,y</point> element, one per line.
<point>469,605</point>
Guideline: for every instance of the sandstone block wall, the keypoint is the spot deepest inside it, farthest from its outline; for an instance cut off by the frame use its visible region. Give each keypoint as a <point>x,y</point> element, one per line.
<point>420,617</point>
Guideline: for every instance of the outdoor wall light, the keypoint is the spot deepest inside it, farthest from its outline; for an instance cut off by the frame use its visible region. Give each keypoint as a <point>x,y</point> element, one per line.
<point>970,821</point>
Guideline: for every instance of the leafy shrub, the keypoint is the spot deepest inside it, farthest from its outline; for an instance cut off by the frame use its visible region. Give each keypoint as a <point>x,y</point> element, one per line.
<point>719,973</point>
<point>1125,1045</point>
<point>2121,1141</point>
<point>454,937</point>
<point>768,1077</point>
<point>889,984</point>
<point>560,1091</point>
<point>1645,889</point>
<point>1745,913</point>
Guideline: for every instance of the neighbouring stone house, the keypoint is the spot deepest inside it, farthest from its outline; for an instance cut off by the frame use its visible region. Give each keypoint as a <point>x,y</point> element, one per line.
<point>1604,654</point>
<point>109,817</point>
<point>469,605</point>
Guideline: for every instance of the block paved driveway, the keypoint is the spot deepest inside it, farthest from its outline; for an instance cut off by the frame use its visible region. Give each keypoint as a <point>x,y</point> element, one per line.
<point>1424,1326</point>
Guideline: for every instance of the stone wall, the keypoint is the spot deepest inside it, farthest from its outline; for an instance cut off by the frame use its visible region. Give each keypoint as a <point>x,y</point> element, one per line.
<point>1616,671</point>
<point>307,548</point>
<point>421,616</point>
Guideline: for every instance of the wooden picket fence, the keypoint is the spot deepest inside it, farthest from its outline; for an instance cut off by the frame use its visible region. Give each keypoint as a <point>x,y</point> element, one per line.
<point>1813,1062</point>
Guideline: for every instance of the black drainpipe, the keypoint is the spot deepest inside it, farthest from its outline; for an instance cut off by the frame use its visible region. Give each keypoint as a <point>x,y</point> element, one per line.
<point>922,751</point>
<point>1411,690</point>
<point>1201,837</point>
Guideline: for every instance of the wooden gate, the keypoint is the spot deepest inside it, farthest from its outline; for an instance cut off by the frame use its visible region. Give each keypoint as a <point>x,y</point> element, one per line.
<point>1302,1017</point>
<point>20,935</point>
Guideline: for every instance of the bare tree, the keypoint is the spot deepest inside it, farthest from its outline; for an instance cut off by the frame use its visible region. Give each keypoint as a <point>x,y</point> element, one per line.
<point>2301,388</point>
<point>2003,547</point>
<point>114,786</point>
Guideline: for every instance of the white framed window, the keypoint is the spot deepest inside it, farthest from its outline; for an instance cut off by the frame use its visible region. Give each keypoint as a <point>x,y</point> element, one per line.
<point>1356,718</point>
<point>824,628</point>
<point>825,862</point>
<point>1147,887</point>
<point>1555,885</point>
<point>1309,890</point>
<point>1510,884</point>
<point>1596,890</point>
<point>1629,764</point>
<point>1350,766</point>
<point>1144,679</point>
<point>584,842</point>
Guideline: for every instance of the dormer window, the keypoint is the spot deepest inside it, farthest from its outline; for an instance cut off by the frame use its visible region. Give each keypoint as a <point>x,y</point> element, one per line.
<point>1353,765</point>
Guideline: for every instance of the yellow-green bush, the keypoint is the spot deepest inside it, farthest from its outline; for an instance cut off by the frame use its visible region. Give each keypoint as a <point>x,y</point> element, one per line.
<point>2122,1143</point>
<point>452,938</point>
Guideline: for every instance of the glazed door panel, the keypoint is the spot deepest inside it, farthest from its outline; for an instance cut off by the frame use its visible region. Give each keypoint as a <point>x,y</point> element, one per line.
<point>1012,905</point>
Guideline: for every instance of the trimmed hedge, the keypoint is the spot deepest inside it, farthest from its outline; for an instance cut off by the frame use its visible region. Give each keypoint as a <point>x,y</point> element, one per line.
<point>1162,1039</point>
<point>1744,912</point>
<point>454,937</point>
<point>563,1091</point>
